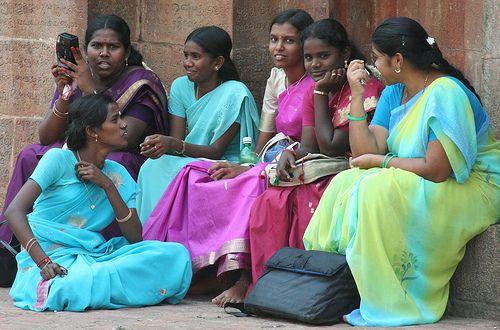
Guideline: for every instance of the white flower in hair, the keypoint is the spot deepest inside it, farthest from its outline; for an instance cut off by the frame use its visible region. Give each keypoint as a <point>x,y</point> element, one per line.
<point>431,41</point>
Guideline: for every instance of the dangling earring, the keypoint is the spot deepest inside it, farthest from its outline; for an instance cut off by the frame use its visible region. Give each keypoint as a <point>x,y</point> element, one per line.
<point>86,59</point>
<point>126,62</point>
<point>346,65</point>
<point>397,70</point>
<point>96,138</point>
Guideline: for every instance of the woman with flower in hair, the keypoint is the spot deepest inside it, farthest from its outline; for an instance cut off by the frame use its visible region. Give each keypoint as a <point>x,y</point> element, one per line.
<point>425,180</point>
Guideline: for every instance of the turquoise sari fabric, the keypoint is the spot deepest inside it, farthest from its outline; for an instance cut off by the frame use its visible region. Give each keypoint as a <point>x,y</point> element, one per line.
<point>207,120</point>
<point>101,274</point>
<point>403,235</point>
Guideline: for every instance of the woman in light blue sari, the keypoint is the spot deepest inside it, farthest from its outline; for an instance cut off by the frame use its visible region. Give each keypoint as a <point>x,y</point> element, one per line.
<point>67,264</point>
<point>210,113</point>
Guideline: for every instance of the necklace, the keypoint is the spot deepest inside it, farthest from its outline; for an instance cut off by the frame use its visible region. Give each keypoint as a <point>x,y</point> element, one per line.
<point>92,203</point>
<point>295,84</point>
<point>198,89</point>
<point>405,96</point>
<point>340,95</point>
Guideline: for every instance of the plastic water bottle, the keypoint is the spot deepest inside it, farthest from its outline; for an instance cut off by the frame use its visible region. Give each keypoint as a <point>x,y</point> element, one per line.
<point>247,154</point>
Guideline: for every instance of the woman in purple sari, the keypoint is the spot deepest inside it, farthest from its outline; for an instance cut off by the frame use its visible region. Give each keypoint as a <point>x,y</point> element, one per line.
<point>194,208</point>
<point>111,67</point>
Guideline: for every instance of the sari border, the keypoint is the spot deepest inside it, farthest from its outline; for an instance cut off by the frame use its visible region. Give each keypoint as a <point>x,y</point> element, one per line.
<point>42,294</point>
<point>127,96</point>
<point>239,245</point>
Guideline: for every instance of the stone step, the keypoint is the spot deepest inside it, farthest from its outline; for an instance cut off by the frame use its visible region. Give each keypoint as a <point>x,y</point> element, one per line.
<point>474,288</point>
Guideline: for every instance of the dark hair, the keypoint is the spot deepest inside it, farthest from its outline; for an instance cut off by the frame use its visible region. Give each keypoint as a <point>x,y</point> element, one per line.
<point>334,34</point>
<point>86,111</point>
<point>117,24</point>
<point>216,42</point>
<point>406,36</point>
<point>298,18</point>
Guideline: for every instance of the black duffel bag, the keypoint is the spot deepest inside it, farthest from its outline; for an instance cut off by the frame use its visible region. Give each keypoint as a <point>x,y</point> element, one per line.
<point>310,286</point>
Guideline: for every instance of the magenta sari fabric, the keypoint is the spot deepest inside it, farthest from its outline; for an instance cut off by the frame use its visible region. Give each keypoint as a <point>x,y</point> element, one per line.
<point>289,117</point>
<point>208,217</point>
<point>133,91</point>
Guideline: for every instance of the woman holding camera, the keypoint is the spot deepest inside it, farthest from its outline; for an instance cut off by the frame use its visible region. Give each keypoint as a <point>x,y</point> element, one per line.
<point>113,67</point>
<point>75,193</point>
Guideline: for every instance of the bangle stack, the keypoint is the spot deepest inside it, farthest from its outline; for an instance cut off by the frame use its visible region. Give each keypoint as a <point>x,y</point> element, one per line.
<point>57,113</point>
<point>30,244</point>
<point>387,158</point>
<point>356,118</point>
<point>127,218</point>
<point>320,92</point>
<point>44,262</point>
<point>183,149</point>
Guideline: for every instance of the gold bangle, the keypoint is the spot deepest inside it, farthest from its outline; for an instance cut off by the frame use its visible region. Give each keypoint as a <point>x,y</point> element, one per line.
<point>30,244</point>
<point>58,113</point>
<point>127,218</point>
<point>320,92</point>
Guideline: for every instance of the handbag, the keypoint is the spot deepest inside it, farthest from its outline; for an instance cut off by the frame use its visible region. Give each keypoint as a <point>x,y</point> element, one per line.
<point>308,169</point>
<point>273,148</point>
<point>310,286</point>
<point>8,264</point>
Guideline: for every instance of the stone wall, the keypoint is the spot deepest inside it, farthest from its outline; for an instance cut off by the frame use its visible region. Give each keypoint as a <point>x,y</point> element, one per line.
<point>467,31</point>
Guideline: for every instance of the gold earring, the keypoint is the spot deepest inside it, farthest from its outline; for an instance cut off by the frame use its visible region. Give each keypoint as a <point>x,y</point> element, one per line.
<point>346,64</point>
<point>397,70</point>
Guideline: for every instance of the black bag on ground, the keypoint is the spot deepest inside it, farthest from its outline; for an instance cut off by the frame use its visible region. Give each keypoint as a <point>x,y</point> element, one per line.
<point>8,264</point>
<point>310,286</point>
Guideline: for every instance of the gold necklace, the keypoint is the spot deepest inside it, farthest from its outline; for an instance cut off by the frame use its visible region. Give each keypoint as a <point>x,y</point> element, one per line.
<point>92,204</point>
<point>405,96</point>
<point>198,89</point>
<point>287,85</point>
<point>340,95</point>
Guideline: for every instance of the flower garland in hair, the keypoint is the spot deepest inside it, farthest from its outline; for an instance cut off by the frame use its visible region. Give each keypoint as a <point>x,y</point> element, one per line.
<point>431,41</point>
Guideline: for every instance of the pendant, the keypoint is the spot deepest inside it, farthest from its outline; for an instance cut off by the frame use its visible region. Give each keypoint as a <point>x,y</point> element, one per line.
<point>92,206</point>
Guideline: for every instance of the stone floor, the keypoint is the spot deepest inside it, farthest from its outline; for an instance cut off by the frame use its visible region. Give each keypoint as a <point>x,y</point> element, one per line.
<point>192,313</point>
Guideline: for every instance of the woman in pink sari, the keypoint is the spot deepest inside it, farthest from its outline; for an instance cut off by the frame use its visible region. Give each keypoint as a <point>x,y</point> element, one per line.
<point>280,216</point>
<point>193,209</point>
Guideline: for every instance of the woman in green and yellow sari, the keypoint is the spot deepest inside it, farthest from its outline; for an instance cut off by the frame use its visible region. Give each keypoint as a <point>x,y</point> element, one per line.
<point>425,180</point>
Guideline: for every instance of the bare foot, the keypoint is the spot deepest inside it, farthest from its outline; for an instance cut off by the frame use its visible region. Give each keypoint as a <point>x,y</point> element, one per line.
<point>235,294</point>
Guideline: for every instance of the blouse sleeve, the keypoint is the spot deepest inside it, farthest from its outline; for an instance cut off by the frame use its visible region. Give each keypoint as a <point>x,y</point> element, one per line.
<point>274,87</point>
<point>175,104</point>
<point>389,100</point>
<point>49,170</point>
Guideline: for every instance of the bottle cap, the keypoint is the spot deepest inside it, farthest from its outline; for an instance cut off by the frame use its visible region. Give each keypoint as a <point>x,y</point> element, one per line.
<point>247,140</point>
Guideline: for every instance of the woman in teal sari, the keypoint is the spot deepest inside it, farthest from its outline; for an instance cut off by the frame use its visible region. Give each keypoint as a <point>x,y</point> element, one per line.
<point>403,219</point>
<point>67,264</point>
<point>210,113</point>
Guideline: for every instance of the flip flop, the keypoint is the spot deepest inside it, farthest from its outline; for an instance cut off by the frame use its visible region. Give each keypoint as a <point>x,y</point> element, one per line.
<point>240,309</point>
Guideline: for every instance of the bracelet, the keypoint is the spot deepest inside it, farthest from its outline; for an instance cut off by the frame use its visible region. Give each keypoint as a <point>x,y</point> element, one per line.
<point>31,241</point>
<point>183,149</point>
<point>294,153</point>
<point>356,118</point>
<point>127,218</point>
<point>43,262</point>
<point>387,158</point>
<point>58,113</point>
<point>30,244</point>
<point>320,92</point>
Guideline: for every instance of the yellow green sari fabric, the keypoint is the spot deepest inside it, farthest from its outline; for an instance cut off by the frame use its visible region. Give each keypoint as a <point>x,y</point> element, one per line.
<point>404,236</point>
